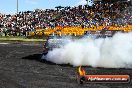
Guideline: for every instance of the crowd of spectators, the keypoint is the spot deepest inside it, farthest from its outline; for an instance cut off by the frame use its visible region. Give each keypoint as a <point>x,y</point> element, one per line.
<point>117,13</point>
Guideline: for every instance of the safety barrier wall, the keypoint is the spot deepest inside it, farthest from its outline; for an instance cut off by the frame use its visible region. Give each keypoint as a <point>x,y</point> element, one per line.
<point>76,31</point>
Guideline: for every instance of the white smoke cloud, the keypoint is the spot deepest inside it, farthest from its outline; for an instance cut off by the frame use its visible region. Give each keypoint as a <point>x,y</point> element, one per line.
<point>115,52</point>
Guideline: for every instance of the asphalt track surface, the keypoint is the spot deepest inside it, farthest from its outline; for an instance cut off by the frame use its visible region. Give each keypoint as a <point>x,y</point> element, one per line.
<point>20,67</point>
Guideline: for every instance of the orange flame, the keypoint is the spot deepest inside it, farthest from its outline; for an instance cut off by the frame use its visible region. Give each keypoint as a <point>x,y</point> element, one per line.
<point>81,71</point>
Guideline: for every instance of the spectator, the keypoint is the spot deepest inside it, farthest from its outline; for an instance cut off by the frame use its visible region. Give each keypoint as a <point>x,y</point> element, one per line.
<point>100,14</point>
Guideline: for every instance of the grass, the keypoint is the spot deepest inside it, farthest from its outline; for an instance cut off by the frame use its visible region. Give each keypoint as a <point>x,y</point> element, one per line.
<point>19,39</point>
<point>22,40</point>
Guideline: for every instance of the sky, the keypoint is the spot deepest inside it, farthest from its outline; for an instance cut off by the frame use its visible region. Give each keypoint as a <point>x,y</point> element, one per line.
<point>9,6</point>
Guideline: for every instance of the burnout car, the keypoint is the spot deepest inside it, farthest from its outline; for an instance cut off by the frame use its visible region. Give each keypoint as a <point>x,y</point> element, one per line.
<point>53,42</point>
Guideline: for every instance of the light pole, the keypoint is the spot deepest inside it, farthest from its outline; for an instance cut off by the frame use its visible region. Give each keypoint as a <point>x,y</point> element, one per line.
<point>87,2</point>
<point>17,27</point>
<point>17,6</point>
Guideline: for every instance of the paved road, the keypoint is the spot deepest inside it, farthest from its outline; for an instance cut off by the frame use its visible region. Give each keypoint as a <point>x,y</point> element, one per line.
<point>20,67</point>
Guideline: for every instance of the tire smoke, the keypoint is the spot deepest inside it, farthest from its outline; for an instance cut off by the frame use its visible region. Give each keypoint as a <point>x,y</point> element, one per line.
<point>114,52</point>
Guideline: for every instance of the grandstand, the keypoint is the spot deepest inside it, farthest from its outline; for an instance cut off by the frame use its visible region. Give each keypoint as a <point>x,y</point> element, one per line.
<point>68,20</point>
